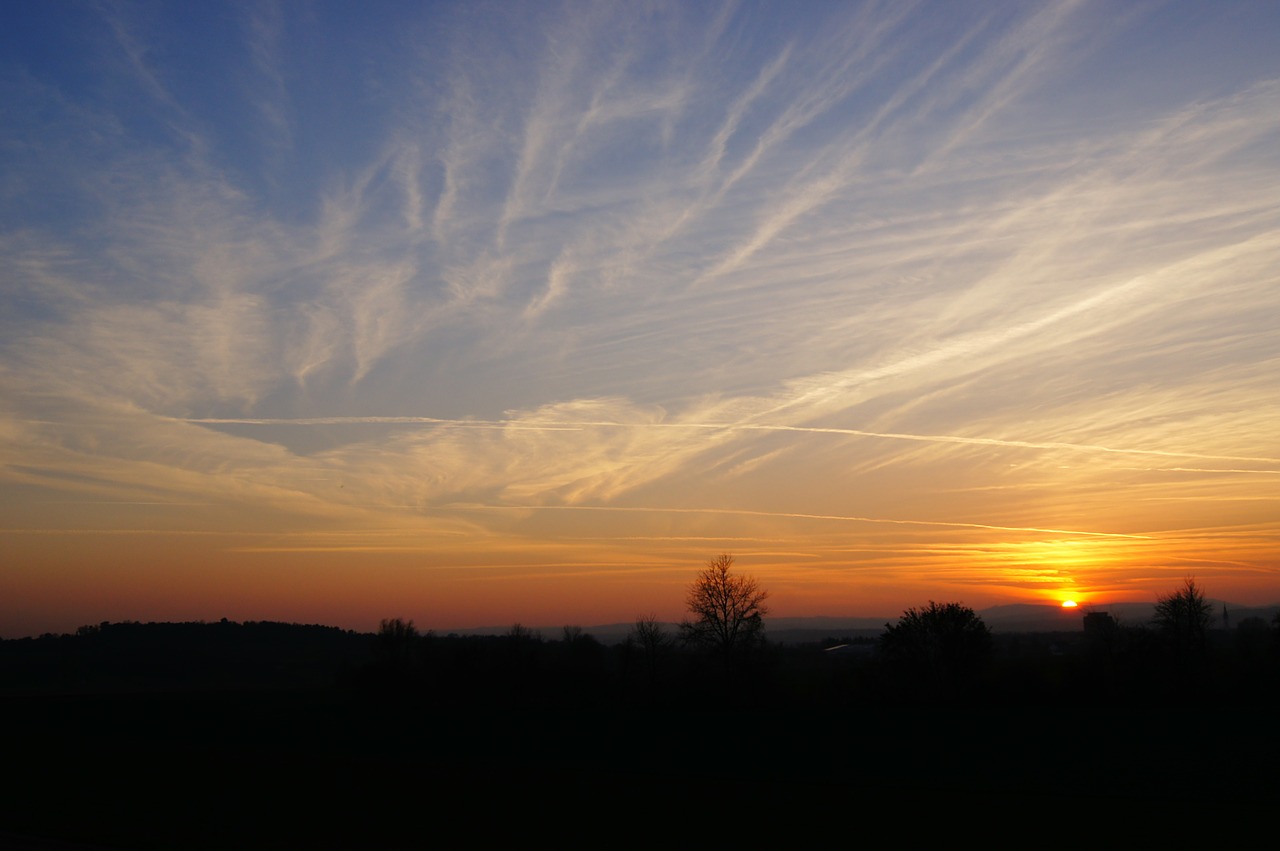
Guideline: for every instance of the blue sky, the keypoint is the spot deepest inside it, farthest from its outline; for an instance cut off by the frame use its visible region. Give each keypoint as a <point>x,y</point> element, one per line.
<point>488,312</point>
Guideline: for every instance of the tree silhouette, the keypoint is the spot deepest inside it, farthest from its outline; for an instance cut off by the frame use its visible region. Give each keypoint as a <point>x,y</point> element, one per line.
<point>943,640</point>
<point>397,643</point>
<point>727,610</point>
<point>649,635</point>
<point>653,643</point>
<point>1183,618</point>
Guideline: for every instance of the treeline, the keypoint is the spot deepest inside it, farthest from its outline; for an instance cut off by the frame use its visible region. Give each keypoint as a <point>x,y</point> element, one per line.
<point>225,654</point>
<point>940,653</point>
<point>216,735</point>
<point>186,735</point>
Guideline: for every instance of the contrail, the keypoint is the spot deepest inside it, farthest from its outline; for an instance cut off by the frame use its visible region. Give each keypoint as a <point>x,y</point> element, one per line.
<point>320,421</point>
<point>750,513</point>
<point>1209,470</point>
<point>1018,444</point>
<point>221,532</point>
<point>553,425</point>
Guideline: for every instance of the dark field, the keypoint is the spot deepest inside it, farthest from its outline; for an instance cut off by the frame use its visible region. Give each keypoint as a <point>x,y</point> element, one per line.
<point>210,736</point>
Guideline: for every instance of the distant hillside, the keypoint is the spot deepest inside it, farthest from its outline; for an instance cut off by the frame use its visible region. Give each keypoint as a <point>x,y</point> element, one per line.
<point>1024,617</point>
<point>1030,617</point>
<point>1014,617</point>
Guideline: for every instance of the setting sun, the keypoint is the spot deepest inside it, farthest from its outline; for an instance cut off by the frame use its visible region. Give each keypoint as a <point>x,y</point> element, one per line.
<point>1068,604</point>
<point>404,322</point>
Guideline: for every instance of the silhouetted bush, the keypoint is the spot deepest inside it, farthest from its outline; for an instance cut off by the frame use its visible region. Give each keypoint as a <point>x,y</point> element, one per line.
<point>943,644</point>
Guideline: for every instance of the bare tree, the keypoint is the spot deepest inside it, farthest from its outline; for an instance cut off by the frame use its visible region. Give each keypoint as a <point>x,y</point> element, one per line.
<point>652,641</point>
<point>397,643</point>
<point>1183,617</point>
<point>521,633</point>
<point>649,635</point>
<point>728,610</point>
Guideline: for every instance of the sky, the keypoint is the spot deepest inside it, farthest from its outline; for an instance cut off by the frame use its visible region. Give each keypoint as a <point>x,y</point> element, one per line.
<point>476,314</point>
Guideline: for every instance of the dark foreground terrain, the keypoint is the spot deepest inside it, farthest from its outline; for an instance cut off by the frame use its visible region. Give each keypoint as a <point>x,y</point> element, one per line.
<point>268,735</point>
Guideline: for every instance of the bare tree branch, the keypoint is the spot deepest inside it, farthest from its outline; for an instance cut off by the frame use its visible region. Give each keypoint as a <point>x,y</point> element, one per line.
<point>728,609</point>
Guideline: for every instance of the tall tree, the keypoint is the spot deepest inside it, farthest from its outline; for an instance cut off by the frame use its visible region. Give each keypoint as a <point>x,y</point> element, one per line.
<point>1183,617</point>
<point>727,610</point>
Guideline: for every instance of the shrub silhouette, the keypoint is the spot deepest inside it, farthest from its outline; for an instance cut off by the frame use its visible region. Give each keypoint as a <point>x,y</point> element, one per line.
<point>943,641</point>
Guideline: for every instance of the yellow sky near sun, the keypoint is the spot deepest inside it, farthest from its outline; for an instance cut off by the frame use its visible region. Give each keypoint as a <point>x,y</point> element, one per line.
<point>564,564</point>
<point>892,303</point>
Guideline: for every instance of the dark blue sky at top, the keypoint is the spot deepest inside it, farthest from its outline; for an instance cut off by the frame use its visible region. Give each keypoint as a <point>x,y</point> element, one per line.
<point>351,70</point>
<point>1004,268</point>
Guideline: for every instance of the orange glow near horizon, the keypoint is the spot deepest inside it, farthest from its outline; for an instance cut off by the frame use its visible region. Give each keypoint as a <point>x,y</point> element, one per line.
<point>584,575</point>
<point>558,325</point>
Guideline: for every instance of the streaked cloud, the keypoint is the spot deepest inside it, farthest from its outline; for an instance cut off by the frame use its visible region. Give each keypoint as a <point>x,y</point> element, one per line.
<point>963,282</point>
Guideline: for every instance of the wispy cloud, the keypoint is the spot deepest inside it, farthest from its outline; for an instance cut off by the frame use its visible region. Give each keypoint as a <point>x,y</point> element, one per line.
<point>795,516</point>
<point>970,272</point>
<point>579,425</point>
